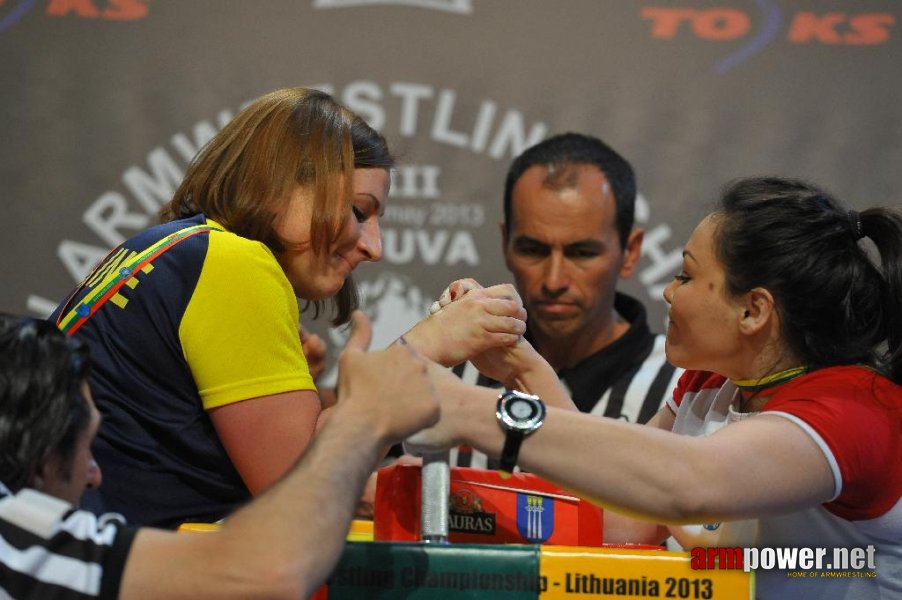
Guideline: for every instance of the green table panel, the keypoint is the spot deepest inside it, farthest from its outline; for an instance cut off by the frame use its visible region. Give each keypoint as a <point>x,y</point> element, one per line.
<point>382,570</point>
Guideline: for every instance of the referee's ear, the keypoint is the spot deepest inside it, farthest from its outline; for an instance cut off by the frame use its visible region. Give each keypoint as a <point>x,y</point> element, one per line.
<point>632,252</point>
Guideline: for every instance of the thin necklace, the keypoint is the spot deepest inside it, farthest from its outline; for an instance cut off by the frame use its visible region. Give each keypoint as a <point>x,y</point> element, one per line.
<point>762,383</point>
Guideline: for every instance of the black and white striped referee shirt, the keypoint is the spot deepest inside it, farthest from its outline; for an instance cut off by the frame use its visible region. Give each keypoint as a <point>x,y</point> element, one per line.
<point>48,549</point>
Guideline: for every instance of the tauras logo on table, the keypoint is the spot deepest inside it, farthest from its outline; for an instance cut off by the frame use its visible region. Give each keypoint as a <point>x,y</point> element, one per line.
<point>467,515</point>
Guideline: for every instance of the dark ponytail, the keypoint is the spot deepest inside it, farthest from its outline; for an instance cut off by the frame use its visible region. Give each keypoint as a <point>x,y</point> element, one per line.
<point>837,304</point>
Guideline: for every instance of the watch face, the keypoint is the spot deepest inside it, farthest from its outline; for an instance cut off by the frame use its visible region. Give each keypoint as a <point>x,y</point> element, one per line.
<point>520,412</point>
<point>521,409</point>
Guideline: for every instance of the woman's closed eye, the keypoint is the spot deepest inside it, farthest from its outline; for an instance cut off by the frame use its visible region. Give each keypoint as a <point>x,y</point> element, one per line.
<point>682,277</point>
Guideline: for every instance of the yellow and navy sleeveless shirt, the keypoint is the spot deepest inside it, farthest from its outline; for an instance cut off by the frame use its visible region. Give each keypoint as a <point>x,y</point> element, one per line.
<point>211,321</point>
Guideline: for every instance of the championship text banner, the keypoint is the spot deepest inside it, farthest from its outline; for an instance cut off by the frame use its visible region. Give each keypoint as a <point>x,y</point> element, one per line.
<point>412,570</point>
<point>573,572</point>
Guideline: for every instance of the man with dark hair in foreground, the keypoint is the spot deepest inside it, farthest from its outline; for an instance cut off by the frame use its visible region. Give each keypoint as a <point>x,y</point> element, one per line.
<point>283,544</point>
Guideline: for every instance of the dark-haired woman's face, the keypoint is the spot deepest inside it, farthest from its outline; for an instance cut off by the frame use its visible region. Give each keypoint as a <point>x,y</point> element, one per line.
<point>360,239</point>
<point>703,324</point>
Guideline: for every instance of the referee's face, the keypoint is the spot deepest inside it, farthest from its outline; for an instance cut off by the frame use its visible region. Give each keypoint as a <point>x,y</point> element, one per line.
<point>564,251</point>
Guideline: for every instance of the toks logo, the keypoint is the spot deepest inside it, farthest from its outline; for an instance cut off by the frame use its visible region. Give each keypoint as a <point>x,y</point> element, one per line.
<point>11,11</point>
<point>805,27</point>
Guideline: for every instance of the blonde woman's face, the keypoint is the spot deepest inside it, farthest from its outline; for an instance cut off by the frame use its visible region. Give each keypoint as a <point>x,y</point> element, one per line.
<point>360,239</point>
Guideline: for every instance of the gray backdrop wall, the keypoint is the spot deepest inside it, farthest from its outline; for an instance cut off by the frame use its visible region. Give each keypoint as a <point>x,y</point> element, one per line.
<point>105,101</point>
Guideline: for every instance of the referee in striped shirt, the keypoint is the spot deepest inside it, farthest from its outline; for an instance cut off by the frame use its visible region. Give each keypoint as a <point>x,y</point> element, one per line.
<point>568,237</point>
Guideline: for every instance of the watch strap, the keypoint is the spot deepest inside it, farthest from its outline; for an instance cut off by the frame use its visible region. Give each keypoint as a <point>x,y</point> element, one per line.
<point>510,451</point>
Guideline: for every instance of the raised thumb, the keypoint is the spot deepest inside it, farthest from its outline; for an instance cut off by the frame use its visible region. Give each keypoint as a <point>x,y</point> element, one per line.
<point>361,332</point>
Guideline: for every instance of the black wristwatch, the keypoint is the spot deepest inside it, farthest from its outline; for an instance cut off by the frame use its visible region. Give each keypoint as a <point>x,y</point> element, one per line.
<point>519,414</point>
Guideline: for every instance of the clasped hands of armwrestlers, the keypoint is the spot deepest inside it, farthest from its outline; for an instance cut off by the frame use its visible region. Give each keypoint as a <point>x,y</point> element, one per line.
<point>403,387</point>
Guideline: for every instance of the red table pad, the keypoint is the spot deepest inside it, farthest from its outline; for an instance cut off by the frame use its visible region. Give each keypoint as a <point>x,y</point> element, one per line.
<point>486,508</point>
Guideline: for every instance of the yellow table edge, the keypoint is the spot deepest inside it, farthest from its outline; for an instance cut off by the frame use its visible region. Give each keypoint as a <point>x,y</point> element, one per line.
<point>359,531</point>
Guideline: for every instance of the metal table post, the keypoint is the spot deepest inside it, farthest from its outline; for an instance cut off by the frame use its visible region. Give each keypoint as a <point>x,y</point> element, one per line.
<point>436,487</point>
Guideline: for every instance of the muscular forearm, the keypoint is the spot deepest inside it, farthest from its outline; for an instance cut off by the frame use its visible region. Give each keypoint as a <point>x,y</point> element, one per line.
<point>587,461</point>
<point>529,372</point>
<point>767,467</point>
